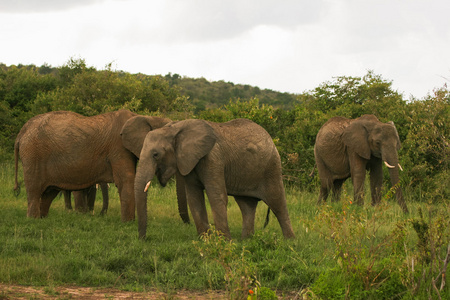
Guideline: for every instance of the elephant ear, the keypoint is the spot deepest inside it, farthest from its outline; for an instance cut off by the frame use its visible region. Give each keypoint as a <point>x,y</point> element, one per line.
<point>135,130</point>
<point>355,137</point>
<point>194,140</point>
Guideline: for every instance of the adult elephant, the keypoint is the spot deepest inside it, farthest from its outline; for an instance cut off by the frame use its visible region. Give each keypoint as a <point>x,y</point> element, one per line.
<point>133,135</point>
<point>348,147</point>
<point>90,147</point>
<point>236,158</point>
<point>85,199</point>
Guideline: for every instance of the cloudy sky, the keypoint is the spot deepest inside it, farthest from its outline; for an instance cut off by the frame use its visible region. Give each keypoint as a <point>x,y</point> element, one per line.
<point>283,45</point>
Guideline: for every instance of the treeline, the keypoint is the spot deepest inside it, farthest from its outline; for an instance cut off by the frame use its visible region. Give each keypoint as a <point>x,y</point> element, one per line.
<point>292,120</point>
<point>206,95</point>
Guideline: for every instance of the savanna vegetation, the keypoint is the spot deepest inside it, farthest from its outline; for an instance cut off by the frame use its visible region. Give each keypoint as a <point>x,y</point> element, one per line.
<point>341,251</point>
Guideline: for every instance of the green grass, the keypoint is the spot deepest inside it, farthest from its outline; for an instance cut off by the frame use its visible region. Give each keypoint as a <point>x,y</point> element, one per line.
<point>70,248</point>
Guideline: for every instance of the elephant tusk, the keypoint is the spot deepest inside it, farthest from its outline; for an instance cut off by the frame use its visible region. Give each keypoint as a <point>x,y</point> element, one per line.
<point>146,186</point>
<point>401,169</point>
<point>388,165</point>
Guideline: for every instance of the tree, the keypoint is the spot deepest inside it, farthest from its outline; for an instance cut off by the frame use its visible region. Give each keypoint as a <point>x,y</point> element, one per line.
<point>427,145</point>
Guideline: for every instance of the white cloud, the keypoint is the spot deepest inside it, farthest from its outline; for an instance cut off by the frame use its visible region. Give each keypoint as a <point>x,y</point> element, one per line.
<point>282,45</point>
<point>34,6</point>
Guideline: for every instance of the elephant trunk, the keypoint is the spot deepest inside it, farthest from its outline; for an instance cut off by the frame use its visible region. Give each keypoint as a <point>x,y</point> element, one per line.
<point>394,167</point>
<point>181,196</point>
<point>144,175</point>
<point>394,174</point>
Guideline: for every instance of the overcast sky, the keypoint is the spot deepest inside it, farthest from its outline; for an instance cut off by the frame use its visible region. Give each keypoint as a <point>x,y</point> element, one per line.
<point>283,45</point>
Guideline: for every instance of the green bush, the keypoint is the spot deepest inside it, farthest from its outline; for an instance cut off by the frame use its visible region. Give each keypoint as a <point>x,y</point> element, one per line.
<point>292,120</point>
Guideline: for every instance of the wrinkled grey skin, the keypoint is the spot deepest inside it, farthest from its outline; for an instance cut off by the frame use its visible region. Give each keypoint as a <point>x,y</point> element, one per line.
<point>236,158</point>
<point>85,199</point>
<point>347,148</point>
<point>90,147</point>
<point>133,135</point>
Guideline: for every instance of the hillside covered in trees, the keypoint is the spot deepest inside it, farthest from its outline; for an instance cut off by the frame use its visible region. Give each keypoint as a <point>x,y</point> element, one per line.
<point>292,120</point>
<point>206,95</point>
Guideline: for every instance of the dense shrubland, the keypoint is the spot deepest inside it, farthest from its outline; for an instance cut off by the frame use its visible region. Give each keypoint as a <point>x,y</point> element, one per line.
<point>292,120</point>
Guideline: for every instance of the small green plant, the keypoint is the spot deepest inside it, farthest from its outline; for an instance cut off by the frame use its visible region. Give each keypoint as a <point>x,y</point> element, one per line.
<point>240,272</point>
<point>50,290</point>
<point>364,252</point>
<point>426,267</point>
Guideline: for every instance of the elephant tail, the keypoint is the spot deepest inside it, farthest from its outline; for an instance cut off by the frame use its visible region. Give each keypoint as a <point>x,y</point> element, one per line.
<point>312,171</point>
<point>267,217</point>
<point>16,169</point>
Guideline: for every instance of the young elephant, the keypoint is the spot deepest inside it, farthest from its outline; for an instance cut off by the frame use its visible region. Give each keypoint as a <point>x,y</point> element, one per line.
<point>85,199</point>
<point>347,148</point>
<point>236,158</point>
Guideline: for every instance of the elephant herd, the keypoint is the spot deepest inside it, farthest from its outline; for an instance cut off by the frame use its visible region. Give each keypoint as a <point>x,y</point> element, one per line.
<point>65,151</point>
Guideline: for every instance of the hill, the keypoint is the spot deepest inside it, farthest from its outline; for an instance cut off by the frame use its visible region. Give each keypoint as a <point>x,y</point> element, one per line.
<point>206,94</point>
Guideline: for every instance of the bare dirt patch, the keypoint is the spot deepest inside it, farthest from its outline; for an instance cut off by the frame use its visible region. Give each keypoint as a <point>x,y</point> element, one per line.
<point>65,292</point>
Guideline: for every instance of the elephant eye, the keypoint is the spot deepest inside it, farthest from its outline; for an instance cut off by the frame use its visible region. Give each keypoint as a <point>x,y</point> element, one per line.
<point>155,155</point>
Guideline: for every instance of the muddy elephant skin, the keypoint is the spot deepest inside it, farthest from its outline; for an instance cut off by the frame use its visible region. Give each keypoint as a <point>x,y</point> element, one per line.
<point>347,148</point>
<point>63,150</point>
<point>236,158</point>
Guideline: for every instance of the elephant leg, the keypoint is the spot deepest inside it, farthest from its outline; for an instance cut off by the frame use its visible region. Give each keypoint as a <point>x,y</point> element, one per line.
<point>80,200</point>
<point>376,180</point>
<point>67,199</point>
<point>181,196</point>
<point>337,189</point>
<point>248,209</point>
<point>325,182</point>
<point>124,172</point>
<point>91,193</point>
<point>105,195</point>
<point>127,203</point>
<point>280,212</point>
<point>196,200</point>
<point>358,173</point>
<point>275,198</point>
<point>34,192</point>
<point>323,194</point>
<point>34,208</point>
<point>46,201</point>
<point>218,199</point>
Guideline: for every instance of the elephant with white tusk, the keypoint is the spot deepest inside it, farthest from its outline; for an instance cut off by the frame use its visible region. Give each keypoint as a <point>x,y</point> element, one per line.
<point>236,158</point>
<point>348,147</point>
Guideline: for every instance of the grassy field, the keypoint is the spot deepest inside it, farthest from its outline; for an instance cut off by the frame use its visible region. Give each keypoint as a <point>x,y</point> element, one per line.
<point>341,251</point>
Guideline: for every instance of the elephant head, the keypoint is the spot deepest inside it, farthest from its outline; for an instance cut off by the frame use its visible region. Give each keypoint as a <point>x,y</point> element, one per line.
<point>367,136</point>
<point>136,128</point>
<point>133,135</point>
<point>175,148</point>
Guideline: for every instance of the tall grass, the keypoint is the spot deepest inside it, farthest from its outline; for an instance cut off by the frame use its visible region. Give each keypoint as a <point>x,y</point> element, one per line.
<point>70,248</point>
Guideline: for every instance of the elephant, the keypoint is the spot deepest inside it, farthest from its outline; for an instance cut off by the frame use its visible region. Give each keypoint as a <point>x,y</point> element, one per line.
<point>348,147</point>
<point>90,147</point>
<point>85,199</point>
<point>236,158</point>
<point>133,139</point>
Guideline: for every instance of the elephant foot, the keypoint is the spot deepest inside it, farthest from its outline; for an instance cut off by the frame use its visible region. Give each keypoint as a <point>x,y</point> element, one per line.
<point>185,218</point>
<point>246,235</point>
